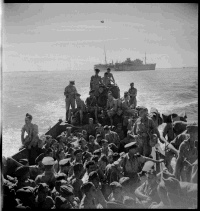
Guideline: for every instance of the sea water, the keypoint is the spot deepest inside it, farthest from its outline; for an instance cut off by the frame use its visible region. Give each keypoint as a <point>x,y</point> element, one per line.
<point>42,95</point>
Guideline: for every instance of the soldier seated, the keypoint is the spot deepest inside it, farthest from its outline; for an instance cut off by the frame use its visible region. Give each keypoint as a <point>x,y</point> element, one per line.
<point>91,105</point>
<point>80,107</point>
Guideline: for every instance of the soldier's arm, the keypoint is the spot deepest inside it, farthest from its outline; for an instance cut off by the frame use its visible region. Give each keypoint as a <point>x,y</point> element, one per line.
<point>179,160</point>
<point>174,145</point>
<point>135,94</point>
<point>143,159</point>
<point>100,80</point>
<point>156,131</point>
<point>22,135</point>
<point>139,194</point>
<point>75,90</point>
<point>165,130</point>
<point>113,78</point>
<point>134,128</point>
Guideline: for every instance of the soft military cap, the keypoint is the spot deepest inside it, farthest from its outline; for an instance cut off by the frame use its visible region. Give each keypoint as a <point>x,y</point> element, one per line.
<point>148,166</point>
<point>39,158</point>
<point>104,141</point>
<point>23,161</point>
<point>43,186</point>
<point>93,175</point>
<point>97,152</point>
<point>77,94</point>
<point>21,171</point>
<point>97,70</point>
<point>115,184</point>
<point>66,190</point>
<point>59,200</point>
<point>99,136</point>
<point>61,176</point>
<point>106,127</point>
<point>24,193</point>
<point>65,162</point>
<point>101,85</point>
<point>124,180</point>
<point>78,151</point>
<point>91,91</point>
<point>48,161</point>
<point>131,145</point>
<point>116,155</point>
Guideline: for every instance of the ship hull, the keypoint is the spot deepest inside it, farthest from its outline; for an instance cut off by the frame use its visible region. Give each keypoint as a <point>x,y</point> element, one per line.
<point>124,67</point>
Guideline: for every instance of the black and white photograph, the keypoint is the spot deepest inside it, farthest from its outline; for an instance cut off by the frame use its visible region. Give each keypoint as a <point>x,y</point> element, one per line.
<point>99,105</point>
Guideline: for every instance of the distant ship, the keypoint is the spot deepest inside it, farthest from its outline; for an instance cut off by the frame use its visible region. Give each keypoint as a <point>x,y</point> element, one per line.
<point>103,67</point>
<point>136,65</point>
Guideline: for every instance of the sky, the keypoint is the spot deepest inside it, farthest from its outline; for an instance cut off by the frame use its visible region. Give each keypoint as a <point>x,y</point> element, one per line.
<point>70,36</point>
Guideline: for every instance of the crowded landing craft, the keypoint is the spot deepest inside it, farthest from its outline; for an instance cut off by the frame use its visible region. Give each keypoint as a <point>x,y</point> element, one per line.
<point>108,153</point>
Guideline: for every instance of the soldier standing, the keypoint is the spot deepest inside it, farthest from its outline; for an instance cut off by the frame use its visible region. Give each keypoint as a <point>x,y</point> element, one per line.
<point>133,93</point>
<point>143,127</point>
<point>95,82</point>
<point>69,93</point>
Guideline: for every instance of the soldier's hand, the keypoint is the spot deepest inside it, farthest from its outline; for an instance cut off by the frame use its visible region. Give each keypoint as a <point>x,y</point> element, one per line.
<point>161,160</point>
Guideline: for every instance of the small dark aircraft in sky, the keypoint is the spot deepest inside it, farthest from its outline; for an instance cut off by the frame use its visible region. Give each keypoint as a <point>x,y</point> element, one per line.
<point>102,21</point>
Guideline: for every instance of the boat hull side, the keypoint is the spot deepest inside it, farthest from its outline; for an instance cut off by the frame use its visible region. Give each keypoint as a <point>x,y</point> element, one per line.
<point>135,68</point>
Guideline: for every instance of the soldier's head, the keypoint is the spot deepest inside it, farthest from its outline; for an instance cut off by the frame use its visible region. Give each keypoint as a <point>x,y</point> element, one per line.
<point>43,190</point>
<point>28,118</point>
<point>143,112</point>
<point>78,154</point>
<point>131,147</point>
<point>90,166</point>
<point>72,82</point>
<point>48,163</point>
<point>94,178</point>
<point>22,173</point>
<point>91,92</point>
<point>78,169</point>
<point>96,71</point>
<point>65,165</point>
<point>101,89</point>
<point>126,96</point>
<point>106,129</point>
<point>106,74</point>
<point>108,70</point>
<point>102,162</point>
<point>84,132</point>
<point>110,95</point>
<point>78,96</point>
<point>132,85</point>
<point>153,140</point>
<point>88,189</point>
<point>104,144</point>
<point>91,121</point>
<point>116,189</point>
<point>99,138</point>
<point>91,139</point>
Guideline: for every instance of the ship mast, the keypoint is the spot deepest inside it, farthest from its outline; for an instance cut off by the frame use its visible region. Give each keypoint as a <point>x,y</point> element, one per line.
<point>105,55</point>
<point>145,57</point>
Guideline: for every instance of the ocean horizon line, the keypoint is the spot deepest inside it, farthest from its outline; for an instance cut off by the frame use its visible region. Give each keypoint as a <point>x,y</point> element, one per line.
<point>88,69</point>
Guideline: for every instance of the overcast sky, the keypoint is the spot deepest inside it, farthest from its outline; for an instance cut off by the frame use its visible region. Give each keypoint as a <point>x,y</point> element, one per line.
<point>71,36</point>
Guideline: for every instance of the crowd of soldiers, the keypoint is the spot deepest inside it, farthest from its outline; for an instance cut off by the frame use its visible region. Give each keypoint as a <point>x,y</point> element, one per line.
<point>101,99</point>
<point>108,166</point>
